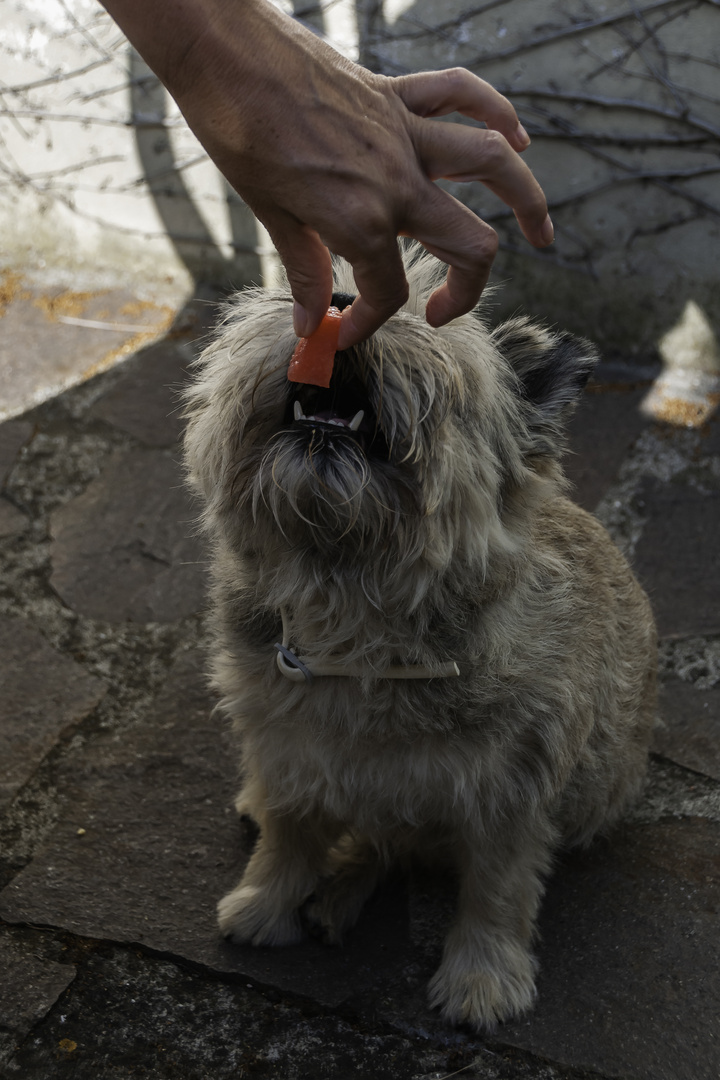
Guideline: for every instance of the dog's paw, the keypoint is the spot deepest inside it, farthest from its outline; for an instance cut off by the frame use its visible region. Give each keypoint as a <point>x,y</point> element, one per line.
<point>247,915</point>
<point>483,996</point>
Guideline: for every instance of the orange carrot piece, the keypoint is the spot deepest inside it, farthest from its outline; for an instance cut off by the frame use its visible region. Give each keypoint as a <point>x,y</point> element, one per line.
<point>314,356</point>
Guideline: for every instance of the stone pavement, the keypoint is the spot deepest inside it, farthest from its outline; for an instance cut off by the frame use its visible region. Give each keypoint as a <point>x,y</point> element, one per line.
<point>117,833</point>
<point>53,336</point>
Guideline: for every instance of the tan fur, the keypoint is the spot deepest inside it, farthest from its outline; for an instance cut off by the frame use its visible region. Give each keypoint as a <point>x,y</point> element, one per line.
<point>443,533</point>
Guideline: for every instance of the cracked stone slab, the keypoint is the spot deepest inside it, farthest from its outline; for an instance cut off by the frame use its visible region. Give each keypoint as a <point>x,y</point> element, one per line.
<point>42,694</point>
<point>171,1022</point>
<point>126,548</point>
<point>607,422</point>
<point>630,978</point>
<point>12,520</point>
<point>677,558</point>
<point>13,435</point>
<point>144,399</point>
<point>690,731</point>
<point>161,845</point>
<point>29,988</point>
<point>629,982</point>
<point>53,338</point>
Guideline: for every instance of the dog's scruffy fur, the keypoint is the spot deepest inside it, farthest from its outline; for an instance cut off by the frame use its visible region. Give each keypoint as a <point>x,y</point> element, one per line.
<point>440,531</point>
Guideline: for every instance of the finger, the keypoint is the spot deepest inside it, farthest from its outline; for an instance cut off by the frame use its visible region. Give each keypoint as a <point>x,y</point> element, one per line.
<point>456,152</point>
<point>463,241</point>
<point>437,93</point>
<point>309,270</point>
<point>382,290</point>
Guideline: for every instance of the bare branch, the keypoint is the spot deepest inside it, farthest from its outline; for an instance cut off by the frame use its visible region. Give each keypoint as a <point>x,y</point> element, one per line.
<point>69,170</point>
<point>612,103</point>
<point>618,62</point>
<point>579,26</point>
<point>107,121</point>
<point>57,77</point>
<point>85,33</point>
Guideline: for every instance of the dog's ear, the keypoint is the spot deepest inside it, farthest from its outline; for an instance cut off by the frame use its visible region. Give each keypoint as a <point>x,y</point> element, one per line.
<point>552,370</point>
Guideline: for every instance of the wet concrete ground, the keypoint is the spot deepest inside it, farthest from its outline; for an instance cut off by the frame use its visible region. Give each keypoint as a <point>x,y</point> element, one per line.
<point>117,833</point>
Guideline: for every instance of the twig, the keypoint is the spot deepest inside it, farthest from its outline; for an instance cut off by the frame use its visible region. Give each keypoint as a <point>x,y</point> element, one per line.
<point>465,1068</point>
<point>683,89</point>
<point>663,226</point>
<point>607,185</point>
<point>85,33</point>
<point>107,91</point>
<point>68,169</point>
<point>118,328</point>
<point>314,9</point>
<point>618,62</point>
<point>659,76</point>
<point>562,129</point>
<point>108,121</point>
<point>556,260</point>
<point>579,27</point>
<point>52,80</point>
<point>606,102</point>
<point>442,29</point>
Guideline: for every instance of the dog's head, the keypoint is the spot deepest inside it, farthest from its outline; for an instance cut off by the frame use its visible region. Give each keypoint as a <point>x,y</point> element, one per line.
<point>424,446</point>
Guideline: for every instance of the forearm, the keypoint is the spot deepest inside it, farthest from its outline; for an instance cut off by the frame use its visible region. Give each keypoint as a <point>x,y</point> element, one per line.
<point>237,68</point>
<point>194,45</point>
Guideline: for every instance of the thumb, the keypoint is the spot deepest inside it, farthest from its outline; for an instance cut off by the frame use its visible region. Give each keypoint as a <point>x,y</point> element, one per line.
<point>308,267</point>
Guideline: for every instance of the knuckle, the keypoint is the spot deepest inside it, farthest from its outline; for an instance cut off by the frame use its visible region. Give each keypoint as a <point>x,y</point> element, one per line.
<point>377,238</point>
<point>396,297</point>
<point>494,148</point>
<point>367,235</point>
<point>385,291</point>
<point>480,250</point>
<point>460,81</point>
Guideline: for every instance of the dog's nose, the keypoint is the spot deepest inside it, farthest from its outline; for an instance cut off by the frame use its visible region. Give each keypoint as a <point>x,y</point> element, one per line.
<point>341,300</point>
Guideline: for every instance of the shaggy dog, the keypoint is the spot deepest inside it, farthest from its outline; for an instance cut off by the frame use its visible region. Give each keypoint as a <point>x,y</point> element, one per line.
<point>424,645</point>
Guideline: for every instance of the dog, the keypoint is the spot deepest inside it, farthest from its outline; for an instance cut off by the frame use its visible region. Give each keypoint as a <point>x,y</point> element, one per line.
<point>424,645</point>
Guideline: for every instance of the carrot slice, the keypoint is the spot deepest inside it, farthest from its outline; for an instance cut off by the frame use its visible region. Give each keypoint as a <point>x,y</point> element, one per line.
<point>314,356</point>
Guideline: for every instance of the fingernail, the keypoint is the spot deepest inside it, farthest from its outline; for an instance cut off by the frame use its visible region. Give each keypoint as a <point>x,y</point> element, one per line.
<point>301,320</point>
<point>522,135</point>
<point>547,233</point>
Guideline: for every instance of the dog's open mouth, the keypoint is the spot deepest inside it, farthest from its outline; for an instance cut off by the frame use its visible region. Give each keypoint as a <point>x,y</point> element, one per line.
<point>327,418</point>
<point>344,408</point>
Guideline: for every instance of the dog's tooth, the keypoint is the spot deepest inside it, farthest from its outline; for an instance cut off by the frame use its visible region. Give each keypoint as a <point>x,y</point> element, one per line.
<point>357,420</point>
<point>297,411</point>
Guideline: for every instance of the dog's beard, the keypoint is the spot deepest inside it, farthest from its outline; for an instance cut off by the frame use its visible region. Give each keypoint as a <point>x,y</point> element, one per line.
<point>321,485</point>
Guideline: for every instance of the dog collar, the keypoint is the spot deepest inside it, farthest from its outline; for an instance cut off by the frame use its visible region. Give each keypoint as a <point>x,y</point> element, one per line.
<point>297,669</point>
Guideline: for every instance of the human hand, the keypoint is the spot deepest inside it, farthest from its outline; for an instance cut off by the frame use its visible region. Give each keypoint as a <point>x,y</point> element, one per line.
<point>332,158</point>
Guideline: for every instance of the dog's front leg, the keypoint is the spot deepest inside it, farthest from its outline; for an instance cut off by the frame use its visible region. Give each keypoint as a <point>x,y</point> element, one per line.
<point>487,972</point>
<point>282,873</point>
